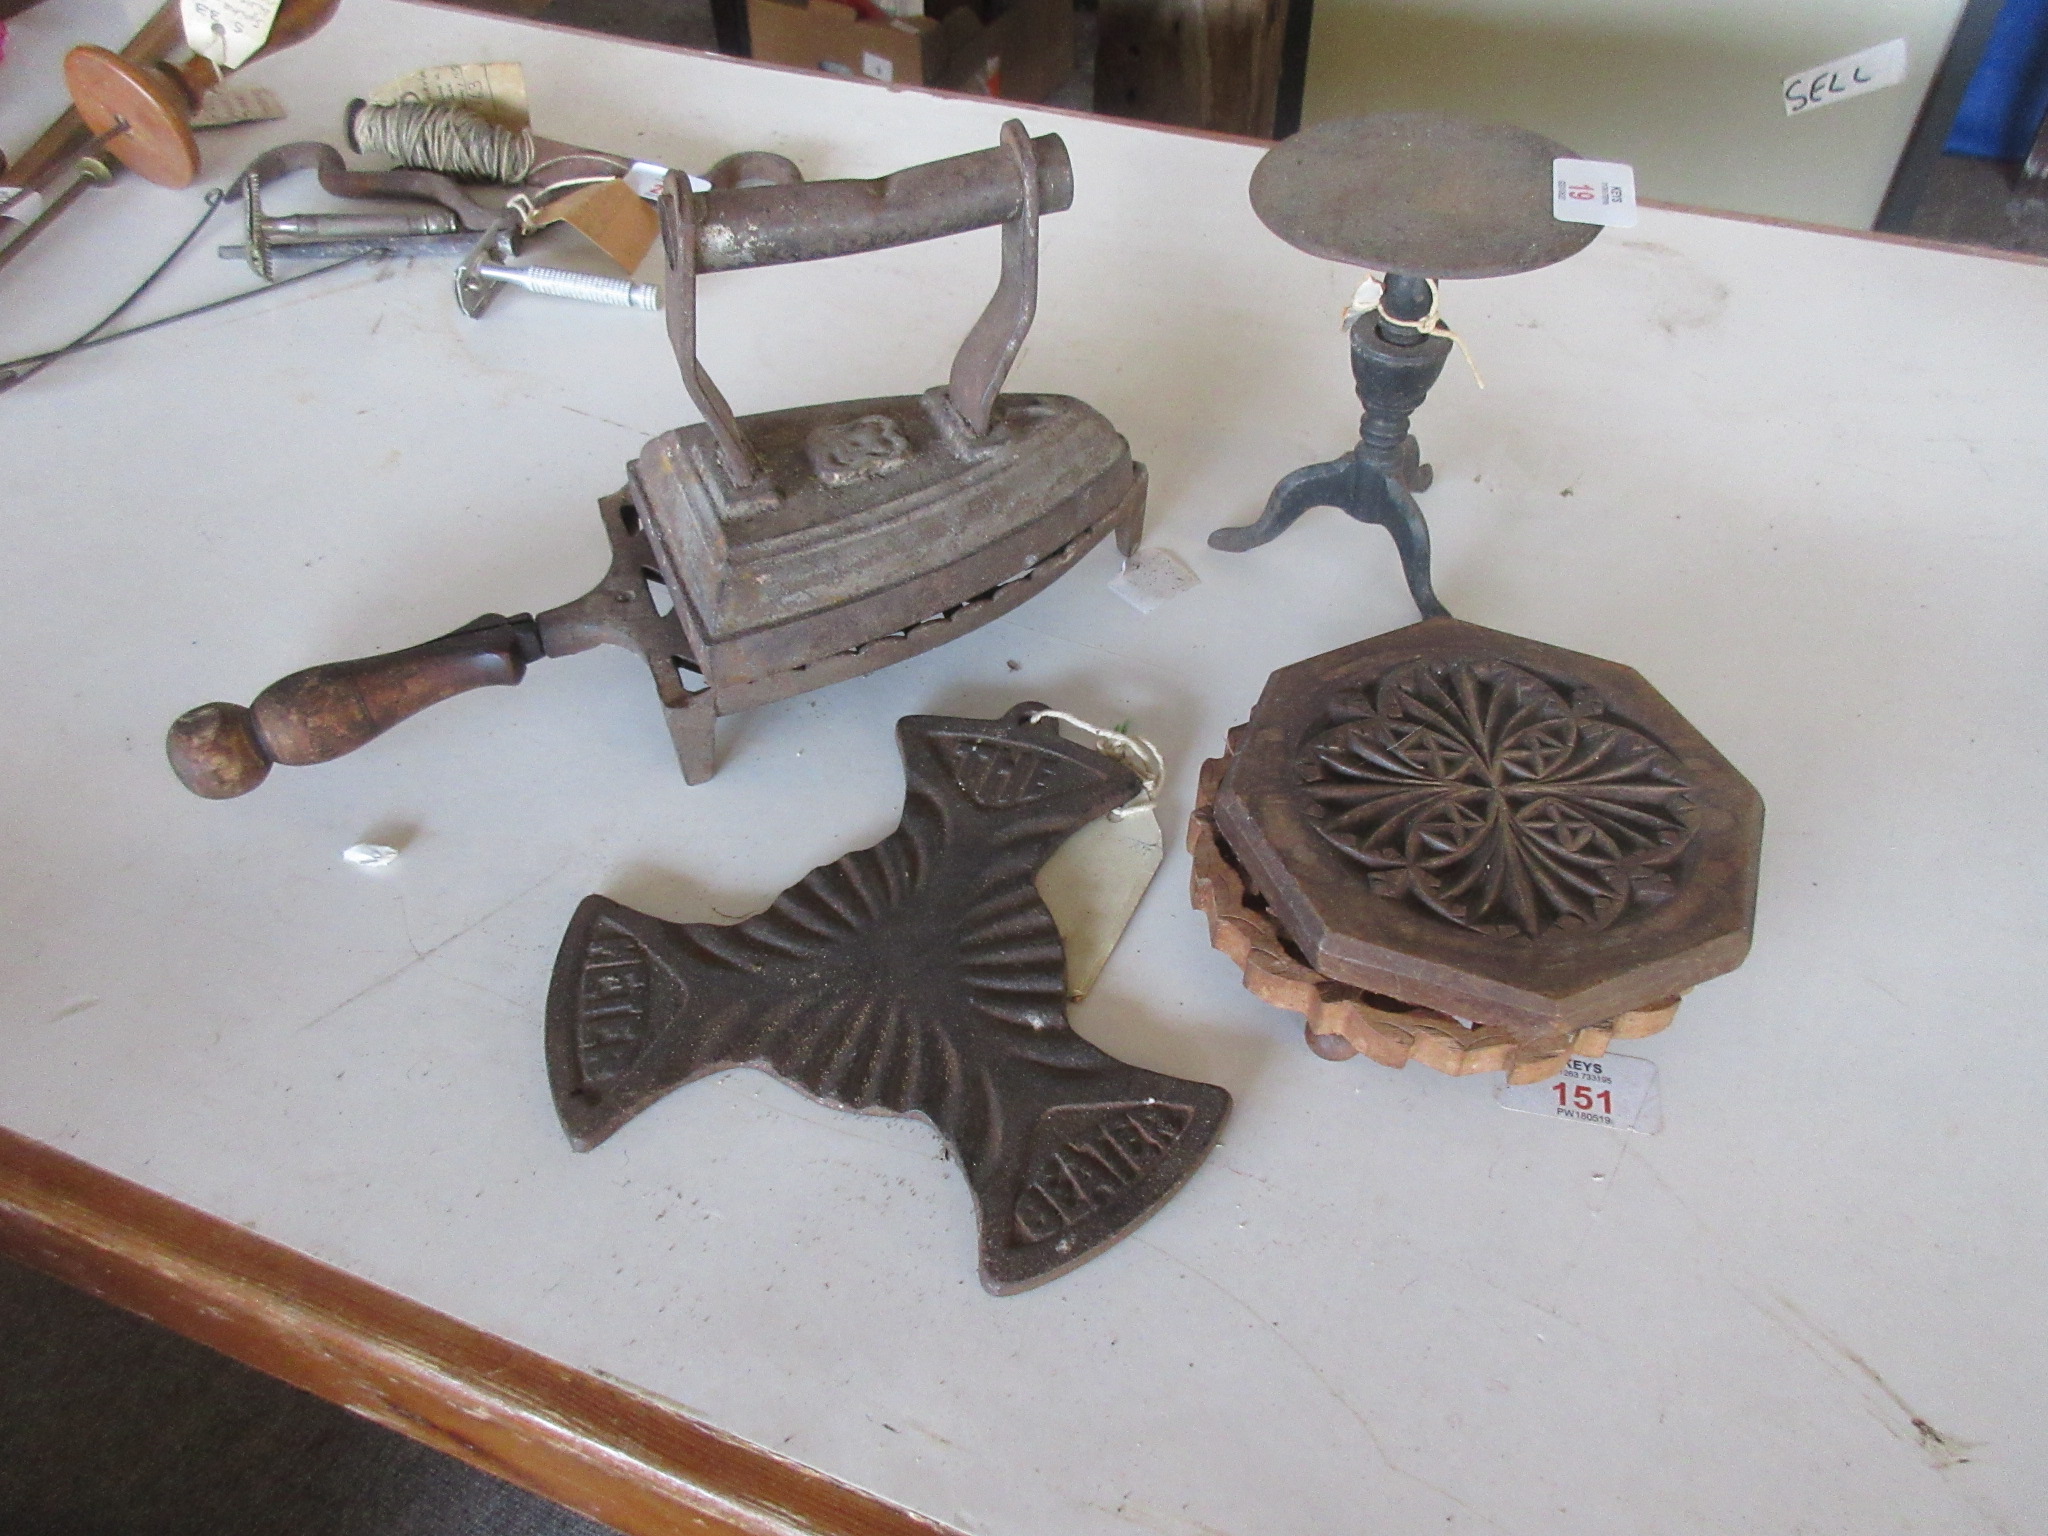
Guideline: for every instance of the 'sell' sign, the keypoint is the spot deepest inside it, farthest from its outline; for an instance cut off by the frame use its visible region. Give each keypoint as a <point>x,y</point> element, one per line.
<point>1871,70</point>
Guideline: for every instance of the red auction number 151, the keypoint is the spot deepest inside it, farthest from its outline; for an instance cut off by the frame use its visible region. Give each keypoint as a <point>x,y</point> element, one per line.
<point>1583,1096</point>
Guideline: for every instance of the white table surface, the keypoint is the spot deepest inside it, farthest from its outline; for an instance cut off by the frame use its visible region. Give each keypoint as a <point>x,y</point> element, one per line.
<point>1795,478</point>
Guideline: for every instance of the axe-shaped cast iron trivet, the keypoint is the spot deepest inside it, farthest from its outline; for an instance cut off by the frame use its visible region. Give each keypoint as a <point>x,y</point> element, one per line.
<point>922,976</point>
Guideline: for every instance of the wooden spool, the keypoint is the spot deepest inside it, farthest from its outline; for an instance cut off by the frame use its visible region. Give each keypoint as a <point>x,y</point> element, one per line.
<point>1342,1021</point>
<point>147,106</point>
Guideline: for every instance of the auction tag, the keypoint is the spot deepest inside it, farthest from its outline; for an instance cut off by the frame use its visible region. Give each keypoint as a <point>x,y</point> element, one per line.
<point>17,204</point>
<point>1616,1091</point>
<point>495,92</point>
<point>244,104</point>
<point>611,217</point>
<point>1092,885</point>
<point>1871,70</point>
<point>1152,576</point>
<point>227,31</point>
<point>1593,192</point>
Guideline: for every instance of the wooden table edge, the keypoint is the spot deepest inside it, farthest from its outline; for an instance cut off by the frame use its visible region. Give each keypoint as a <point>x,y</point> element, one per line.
<point>634,1462</point>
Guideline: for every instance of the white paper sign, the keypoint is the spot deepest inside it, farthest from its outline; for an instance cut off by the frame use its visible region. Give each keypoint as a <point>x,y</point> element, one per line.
<point>1593,192</point>
<point>245,104</point>
<point>1617,1091</point>
<point>1093,883</point>
<point>17,204</point>
<point>1871,70</point>
<point>1151,577</point>
<point>228,31</point>
<point>876,67</point>
<point>495,92</point>
<point>646,178</point>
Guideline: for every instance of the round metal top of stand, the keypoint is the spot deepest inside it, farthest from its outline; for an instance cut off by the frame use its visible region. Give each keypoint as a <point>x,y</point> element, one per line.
<point>1419,193</point>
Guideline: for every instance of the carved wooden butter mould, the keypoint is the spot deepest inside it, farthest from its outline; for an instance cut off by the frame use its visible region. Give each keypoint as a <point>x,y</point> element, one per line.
<point>1511,838</point>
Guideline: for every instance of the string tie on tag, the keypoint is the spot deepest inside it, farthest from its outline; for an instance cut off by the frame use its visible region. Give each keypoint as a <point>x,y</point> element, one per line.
<point>1134,752</point>
<point>1430,324</point>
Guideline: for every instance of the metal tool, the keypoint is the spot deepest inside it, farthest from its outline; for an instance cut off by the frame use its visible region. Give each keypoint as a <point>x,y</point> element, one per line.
<point>266,237</point>
<point>556,283</point>
<point>922,976</point>
<point>1419,197</point>
<point>792,549</point>
<point>456,244</point>
<point>488,267</point>
<point>264,233</point>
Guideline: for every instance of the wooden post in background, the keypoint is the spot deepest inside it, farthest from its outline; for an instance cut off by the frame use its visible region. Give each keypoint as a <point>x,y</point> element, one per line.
<point>1211,64</point>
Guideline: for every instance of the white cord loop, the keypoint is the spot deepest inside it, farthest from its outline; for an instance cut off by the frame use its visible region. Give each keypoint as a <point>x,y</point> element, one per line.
<point>1367,301</point>
<point>1134,752</point>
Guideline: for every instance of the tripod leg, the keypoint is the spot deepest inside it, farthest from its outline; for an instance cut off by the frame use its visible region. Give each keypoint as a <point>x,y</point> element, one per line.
<point>1317,485</point>
<point>1384,500</point>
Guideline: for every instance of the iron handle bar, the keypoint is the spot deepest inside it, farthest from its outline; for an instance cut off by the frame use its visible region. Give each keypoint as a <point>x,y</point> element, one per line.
<point>740,227</point>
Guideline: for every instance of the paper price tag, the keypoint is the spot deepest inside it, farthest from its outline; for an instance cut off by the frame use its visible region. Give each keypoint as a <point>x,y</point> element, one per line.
<point>17,204</point>
<point>1593,192</point>
<point>645,177</point>
<point>610,217</point>
<point>1616,1091</point>
<point>876,67</point>
<point>1825,84</point>
<point>245,104</point>
<point>1151,577</point>
<point>1093,884</point>
<point>496,92</point>
<point>228,32</point>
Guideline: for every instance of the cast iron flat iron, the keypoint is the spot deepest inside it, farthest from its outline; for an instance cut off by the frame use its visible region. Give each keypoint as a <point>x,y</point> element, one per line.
<point>923,976</point>
<point>1448,844</point>
<point>794,549</point>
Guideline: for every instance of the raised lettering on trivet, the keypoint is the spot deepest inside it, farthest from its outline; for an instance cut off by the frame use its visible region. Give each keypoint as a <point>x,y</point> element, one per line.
<point>611,1006</point>
<point>1083,1159</point>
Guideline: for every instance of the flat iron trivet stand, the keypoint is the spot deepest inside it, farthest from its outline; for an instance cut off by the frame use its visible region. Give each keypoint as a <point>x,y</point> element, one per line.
<point>1394,365</point>
<point>792,549</point>
<point>1419,197</point>
<point>922,976</point>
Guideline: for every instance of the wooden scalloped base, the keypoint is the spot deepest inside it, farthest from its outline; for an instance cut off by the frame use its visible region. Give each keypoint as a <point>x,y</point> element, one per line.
<point>1343,1021</point>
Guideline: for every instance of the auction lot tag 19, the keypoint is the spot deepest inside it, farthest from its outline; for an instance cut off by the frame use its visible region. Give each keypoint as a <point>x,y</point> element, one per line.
<point>1617,1091</point>
<point>1593,192</point>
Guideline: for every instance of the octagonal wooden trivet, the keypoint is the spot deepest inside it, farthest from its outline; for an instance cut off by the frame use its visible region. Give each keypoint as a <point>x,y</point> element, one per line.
<point>1343,1021</point>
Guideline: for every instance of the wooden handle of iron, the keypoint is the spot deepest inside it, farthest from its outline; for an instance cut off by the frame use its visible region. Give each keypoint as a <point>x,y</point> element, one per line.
<point>315,716</point>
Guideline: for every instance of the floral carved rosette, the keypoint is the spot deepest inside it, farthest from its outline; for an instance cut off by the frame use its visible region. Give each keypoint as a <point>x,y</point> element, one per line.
<point>1480,793</point>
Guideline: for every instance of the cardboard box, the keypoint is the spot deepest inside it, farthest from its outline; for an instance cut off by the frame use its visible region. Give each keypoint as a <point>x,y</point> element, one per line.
<point>1024,54</point>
